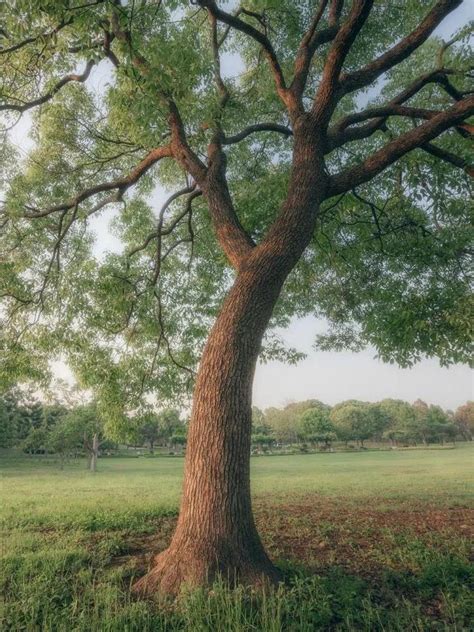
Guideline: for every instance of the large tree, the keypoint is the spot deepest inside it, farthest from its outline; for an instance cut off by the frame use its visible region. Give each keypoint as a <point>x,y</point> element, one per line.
<point>333,152</point>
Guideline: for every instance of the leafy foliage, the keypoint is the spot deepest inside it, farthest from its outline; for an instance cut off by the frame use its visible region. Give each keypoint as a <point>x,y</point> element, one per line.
<point>387,263</point>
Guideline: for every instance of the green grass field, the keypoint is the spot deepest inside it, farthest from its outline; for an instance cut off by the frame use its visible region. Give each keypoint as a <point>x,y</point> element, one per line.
<point>367,541</point>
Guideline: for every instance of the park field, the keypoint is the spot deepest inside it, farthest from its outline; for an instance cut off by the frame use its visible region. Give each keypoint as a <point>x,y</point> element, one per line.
<point>375,540</point>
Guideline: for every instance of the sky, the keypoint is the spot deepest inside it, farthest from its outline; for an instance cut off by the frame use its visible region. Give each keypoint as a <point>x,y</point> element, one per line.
<point>329,376</point>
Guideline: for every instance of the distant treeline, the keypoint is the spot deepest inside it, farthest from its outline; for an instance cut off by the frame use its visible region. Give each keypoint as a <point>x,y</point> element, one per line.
<point>390,421</point>
<point>76,429</point>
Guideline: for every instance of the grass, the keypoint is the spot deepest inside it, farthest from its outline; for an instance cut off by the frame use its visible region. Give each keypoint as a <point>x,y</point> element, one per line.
<point>367,541</point>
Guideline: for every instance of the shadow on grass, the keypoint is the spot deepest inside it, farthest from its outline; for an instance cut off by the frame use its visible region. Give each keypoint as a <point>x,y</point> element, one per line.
<point>82,588</point>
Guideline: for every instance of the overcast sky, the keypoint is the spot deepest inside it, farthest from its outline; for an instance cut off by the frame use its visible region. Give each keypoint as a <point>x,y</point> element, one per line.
<point>328,376</point>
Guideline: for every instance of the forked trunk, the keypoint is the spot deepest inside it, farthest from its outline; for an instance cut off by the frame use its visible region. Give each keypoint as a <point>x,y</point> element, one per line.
<point>216,533</point>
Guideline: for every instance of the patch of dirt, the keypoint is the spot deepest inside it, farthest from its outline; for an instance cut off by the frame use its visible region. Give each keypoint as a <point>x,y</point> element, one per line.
<point>321,532</point>
<point>324,532</point>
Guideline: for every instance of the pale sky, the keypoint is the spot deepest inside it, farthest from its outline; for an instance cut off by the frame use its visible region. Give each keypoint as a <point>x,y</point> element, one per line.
<point>328,376</point>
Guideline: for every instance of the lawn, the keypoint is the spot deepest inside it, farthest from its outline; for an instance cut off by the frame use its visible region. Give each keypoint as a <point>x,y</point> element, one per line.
<point>367,541</point>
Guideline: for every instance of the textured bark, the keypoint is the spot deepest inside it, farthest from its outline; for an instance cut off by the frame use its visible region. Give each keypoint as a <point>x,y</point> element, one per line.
<point>216,533</point>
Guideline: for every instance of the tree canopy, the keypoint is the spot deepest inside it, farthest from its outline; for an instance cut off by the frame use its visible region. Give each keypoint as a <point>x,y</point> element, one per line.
<point>123,97</point>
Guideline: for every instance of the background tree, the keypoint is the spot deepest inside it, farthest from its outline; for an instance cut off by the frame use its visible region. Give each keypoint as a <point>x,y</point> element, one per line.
<point>355,128</point>
<point>66,437</point>
<point>8,421</point>
<point>355,421</point>
<point>316,425</point>
<point>149,430</point>
<point>400,421</point>
<point>36,441</point>
<point>85,422</point>
<point>260,426</point>
<point>464,420</point>
<point>155,428</point>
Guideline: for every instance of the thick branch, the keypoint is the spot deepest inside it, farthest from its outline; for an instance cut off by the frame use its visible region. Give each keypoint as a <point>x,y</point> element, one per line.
<point>312,40</point>
<point>22,107</point>
<point>233,238</point>
<point>327,94</point>
<point>402,50</point>
<point>397,148</point>
<point>447,156</point>
<point>121,184</point>
<point>179,144</point>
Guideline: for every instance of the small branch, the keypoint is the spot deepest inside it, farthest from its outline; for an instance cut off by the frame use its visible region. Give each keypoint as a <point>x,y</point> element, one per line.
<point>16,107</point>
<point>340,134</point>
<point>122,184</point>
<point>397,148</point>
<point>233,21</point>
<point>222,88</point>
<point>158,232</point>
<point>35,38</point>
<point>258,127</point>
<point>311,41</point>
<point>385,111</point>
<point>165,338</point>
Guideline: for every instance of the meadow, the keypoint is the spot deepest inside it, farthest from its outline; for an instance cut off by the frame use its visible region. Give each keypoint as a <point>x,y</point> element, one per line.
<point>375,540</point>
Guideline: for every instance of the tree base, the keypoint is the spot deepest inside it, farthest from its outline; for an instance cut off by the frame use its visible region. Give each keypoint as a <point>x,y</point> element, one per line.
<point>178,568</point>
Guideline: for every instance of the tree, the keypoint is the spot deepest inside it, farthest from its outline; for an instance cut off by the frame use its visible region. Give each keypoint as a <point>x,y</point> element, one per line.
<point>285,423</point>
<point>159,427</point>
<point>348,145</point>
<point>354,421</point>
<point>464,420</point>
<point>260,426</point>
<point>65,437</point>
<point>84,421</point>
<point>170,423</point>
<point>400,421</point>
<point>36,441</point>
<point>149,430</point>
<point>8,433</point>
<point>316,425</point>
<point>439,427</point>
<point>422,420</point>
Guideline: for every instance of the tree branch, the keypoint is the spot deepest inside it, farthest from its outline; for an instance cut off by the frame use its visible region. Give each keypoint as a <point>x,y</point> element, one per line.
<point>327,94</point>
<point>22,107</point>
<point>160,231</point>
<point>366,75</point>
<point>35,38</point>
<point>384,111</point>
<point>397,148</point>
<point>122,184</point>
<point>339,134</point>
<point>258,127</point>
<point>311,42</point>
<point>447,156</point>
<point>233,21</point>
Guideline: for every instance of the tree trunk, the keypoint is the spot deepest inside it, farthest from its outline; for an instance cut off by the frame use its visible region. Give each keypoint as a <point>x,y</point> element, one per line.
<point>94,453</point>
<point>216,533</point>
